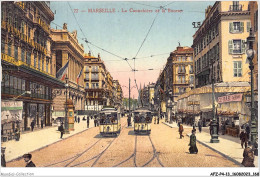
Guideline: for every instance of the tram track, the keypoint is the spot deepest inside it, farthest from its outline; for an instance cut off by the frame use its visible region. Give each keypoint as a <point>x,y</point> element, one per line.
<point>80,155</point>
<point>155,156</point>
<point>97,157</point>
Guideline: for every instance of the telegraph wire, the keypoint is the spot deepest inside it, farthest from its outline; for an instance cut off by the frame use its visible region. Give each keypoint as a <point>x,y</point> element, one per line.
<point>79,26</point>
<point>146,5</point>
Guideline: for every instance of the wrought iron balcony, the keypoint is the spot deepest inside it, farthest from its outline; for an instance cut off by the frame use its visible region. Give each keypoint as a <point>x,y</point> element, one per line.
<point>235,8</point>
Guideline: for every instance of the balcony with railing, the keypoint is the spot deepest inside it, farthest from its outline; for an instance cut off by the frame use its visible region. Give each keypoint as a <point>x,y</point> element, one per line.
<point>22,37</point>
<point>235,8</point>
<point>19,63</point>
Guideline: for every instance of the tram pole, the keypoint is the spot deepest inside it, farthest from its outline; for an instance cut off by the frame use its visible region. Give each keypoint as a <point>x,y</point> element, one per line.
<point>129,115</point>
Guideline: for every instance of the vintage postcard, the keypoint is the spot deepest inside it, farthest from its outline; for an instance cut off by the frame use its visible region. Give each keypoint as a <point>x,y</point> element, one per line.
<point>157,86</point>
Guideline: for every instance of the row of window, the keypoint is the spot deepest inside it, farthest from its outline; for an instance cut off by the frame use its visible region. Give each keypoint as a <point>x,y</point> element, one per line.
<point>16,86</point>
<point>205,60</point>
<point>24,27</point>
<point>25,56</point>
<point>184,58</point>
<point>206,39</point>
<point>94,76</point>
<point>94,69</point>
<point>93,85</point>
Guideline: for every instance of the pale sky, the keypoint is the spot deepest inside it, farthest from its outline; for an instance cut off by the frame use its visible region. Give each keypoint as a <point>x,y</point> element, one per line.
<point>122,33</point>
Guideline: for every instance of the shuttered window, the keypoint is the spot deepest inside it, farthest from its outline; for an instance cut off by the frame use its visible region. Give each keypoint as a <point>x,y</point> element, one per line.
<point>248,26</point>
<point>237,69</point>
<point>236,27</point>
<point>236,46</point>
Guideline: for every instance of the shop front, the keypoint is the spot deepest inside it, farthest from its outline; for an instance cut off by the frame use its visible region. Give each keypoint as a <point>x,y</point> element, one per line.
<point>34,89</point>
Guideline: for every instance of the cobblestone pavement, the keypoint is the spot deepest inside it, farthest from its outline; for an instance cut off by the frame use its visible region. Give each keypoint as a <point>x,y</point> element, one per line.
<point>162,148</point>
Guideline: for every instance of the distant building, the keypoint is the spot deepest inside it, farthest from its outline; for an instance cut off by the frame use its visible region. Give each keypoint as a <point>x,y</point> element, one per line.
<point>101,90</point>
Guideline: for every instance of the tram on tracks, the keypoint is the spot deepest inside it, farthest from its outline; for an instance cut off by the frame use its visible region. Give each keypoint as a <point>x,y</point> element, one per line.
<point>109,124</point>
<point>142,121</point>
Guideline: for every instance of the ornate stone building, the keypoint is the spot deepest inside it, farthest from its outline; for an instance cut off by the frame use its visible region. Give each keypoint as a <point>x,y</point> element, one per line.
<point>28,75</point>
<point>65,47</point>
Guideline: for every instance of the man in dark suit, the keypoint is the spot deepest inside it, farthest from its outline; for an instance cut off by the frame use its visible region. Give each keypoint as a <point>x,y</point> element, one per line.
<point>61,130</point>
<point>88,122</point>
<point>27,159</point>
<point>32,125</point>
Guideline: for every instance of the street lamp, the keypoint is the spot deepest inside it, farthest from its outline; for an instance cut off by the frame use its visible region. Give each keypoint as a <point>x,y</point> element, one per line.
<point>66,106</point>
<point>250,55</point>
<point>214,135</point>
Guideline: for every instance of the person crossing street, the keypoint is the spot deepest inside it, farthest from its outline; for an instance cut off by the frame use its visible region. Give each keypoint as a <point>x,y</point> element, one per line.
<point>181,131</point>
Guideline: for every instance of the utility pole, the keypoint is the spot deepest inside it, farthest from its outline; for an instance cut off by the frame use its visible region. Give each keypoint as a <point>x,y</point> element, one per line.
<point>129,116</point>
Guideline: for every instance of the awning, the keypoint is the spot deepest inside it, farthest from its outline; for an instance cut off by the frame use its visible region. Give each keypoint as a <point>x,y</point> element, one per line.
<point>11,111</point>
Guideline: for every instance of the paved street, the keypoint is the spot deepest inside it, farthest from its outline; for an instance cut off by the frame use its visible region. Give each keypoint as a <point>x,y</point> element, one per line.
<point>39,138</point>
<point>162,148</point>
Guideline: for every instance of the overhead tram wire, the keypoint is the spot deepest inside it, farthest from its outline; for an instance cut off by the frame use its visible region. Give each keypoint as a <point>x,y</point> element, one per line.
<point>85,39</point>
<point>161,7</point>
<point>79,27</point>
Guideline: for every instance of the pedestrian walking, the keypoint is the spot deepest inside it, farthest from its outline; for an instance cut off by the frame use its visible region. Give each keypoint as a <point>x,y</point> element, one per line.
<point>154,119</point>
<point>28,161</point>
<point>193,147</point>
<point>95,122</point>
<point>217,126</point>
<point>247,131</point>
<point>87,122</point>
<point>61,130</point>
<point>222,128</point>
<point>158,120</point>
<point>41,123</point>
<point>248,154</point>
<point>32,125</point>
<point>3,162</point>
<point>243,138</point>
<point>17,134</point>
<point>78,119</point>
<point>181,131</point>
<point>75,117</point>
<point>200,125</point>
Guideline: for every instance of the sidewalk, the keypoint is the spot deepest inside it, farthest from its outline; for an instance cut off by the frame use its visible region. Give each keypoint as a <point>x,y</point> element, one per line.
<point>39,139</point>
<point>228,146</point>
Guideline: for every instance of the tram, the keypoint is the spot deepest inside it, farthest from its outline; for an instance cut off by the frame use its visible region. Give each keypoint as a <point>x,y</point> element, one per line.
<point>142,121</point>
<point>109,122</point>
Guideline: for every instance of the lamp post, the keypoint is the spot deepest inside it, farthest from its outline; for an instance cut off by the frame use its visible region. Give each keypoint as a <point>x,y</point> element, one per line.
<point>250,56</point>
<point>170,106</point>
<point>66,106</point>
<point>214,135</point>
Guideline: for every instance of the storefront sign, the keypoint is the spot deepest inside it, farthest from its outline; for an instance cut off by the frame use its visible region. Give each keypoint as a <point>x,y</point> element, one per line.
<point>193,103</point>
<point>11,110</point>
<point>230,98</point>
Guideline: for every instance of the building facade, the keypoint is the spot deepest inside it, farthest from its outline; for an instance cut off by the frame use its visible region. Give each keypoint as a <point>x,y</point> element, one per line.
<point>66,48</point>
<point>182,72</point>
<point>117,95</point>
<point>98,84</point>
<point>27,72</point>
<point>219,44</point>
